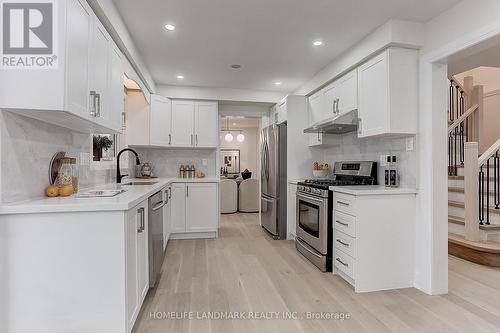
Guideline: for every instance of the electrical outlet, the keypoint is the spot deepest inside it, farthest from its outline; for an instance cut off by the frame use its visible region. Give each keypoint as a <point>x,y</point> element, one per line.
<point>204,162</point>
<point>410,144</point>
<point>383,160</point>
<point>84,158</point>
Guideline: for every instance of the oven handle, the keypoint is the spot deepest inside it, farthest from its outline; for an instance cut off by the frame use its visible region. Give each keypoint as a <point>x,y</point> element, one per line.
<point>306,247</point>
<point>310,197</point>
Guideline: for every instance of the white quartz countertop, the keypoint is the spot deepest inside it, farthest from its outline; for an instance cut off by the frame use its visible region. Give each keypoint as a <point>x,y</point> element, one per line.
<point>372,190</point>
<point>123,201</point>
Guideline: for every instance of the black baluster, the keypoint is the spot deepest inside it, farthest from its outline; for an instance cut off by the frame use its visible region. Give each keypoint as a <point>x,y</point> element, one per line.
<point>480,195</point>
<point>451,113</point>
<point>450,149</point>
<point>488,191</point>
<point>455,153</point>
<point>457,103</point>
<point>496,171</point>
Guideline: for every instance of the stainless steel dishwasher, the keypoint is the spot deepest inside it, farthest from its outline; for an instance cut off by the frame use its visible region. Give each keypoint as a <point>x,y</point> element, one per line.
<point>155,237</point>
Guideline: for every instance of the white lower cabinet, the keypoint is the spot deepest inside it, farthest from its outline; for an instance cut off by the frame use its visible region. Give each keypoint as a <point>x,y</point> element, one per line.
<point>194,210</point>
<point>137,266</point>
<point>373,240</point>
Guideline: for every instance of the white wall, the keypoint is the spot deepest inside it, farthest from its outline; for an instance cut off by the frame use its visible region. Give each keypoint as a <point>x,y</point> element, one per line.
<point>491,118</point>
<point>249,149</point>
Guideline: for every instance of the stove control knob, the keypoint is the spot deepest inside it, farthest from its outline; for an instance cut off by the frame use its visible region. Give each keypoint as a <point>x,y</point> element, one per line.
<point>308,189</point>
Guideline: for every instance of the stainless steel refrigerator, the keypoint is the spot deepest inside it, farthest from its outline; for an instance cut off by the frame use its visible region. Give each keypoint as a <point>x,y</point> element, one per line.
<point>273,180</point>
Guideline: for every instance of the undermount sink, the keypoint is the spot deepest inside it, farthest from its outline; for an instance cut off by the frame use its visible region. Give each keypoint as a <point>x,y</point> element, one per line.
<point>99,193</point>
<point>139,183</point>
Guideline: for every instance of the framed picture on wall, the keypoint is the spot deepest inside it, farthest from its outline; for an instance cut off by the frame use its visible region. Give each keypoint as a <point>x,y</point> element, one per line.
<point>230,160</point>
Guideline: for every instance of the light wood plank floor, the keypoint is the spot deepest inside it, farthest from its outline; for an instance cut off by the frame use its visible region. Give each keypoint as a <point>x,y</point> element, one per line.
<point>244,270</point>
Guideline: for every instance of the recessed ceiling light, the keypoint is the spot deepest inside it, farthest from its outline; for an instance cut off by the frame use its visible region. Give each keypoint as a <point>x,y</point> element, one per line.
<point>278,83</point>
<point>234,124</point>
<point>180,77</point>
<point>235,66</point>
<point>169,27</point>
<point>317,43</point>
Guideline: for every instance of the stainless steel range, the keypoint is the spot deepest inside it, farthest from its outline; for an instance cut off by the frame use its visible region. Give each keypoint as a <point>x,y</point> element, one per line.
<point>314,209</point>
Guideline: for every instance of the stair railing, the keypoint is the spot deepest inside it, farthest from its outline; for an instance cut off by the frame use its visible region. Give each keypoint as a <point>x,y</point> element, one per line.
<point>458,129</point>
<point>489,179</point>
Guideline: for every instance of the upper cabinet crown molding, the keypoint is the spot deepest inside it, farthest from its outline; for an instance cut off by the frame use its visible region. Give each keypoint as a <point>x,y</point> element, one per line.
<point>81,92</point>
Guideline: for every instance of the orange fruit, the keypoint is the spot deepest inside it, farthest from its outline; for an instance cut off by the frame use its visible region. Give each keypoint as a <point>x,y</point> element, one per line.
<point>52,191</point>
<point>66,190</point>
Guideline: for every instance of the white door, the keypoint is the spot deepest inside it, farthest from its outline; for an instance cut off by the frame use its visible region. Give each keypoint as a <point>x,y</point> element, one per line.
<point>142,253</point>
<point>99,50</point>
<point>160,121</point>
<point>166,215</point>
<point>115,117</point>
<point>201,207</point>
<point>330,99</point>
<point>347,87</point>
<point>315,109</point>
<point>178,208</point>
<point>373,90</point>
<point>77,57</point>
<point>182,123</point>
<point>206,124</point>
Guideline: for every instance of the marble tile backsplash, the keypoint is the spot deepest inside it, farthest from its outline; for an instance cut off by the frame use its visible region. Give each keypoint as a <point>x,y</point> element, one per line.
<point>351,148</point>
<point>166,162</point>
<point>27,146</point>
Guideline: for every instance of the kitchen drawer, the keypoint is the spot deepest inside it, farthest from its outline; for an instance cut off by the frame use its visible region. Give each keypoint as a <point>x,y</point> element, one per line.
<point>344,203</point>
<point>344,263</point>
<point>345,223</point>
<point>345,243</point>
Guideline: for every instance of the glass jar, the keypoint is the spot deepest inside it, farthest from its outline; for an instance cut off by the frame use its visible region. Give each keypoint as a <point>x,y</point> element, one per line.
<point>68,174</point>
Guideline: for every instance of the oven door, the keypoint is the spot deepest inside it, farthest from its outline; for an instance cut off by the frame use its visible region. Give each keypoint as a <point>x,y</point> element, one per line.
<point>312,221</point>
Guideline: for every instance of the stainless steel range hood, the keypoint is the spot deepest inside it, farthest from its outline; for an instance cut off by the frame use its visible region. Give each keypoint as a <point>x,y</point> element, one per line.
<point>338,124</point>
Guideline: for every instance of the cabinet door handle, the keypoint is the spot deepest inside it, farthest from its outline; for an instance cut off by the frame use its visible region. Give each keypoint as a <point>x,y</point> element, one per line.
<point>196,139</point>
<point>141,220</point>
<point>187,191</point>
<point>342,223</point>
<point>191,139</point>
<point>333,106</point>
<point>166,197</point>
<point>124,121</point>
<point>98,99</point>
<point>170,139</point>
<point>340,261</point>
<point>93,110</point>
<point>319,138</point>
<point>342,242</point>
<point>342,203</point>
<point>170,193</point>
<point>337,105</point>
<point>359,126</point>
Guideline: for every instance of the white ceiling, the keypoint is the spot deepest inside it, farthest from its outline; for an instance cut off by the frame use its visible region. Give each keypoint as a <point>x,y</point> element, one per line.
<point>270,39</point>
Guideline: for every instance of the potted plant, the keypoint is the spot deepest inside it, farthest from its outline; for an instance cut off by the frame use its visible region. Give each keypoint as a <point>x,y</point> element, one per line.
<point>100,142</point>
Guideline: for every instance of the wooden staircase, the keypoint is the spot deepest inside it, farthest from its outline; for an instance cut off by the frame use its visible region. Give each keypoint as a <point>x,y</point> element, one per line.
<point>473,182</point>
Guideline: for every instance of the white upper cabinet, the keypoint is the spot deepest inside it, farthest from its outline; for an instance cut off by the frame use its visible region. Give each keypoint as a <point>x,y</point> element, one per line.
<point>160,121</point>
<point>341,96</point>
<point>78,93</point>
<point>77,64</point>
<point>183,123</point>
<point>116,114</point>
<point>347,92</point>
<point>388,94</point>
<point>281,114</point>
<point>316,111</point>
<point>194,124</point>
<point>206,130</point>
